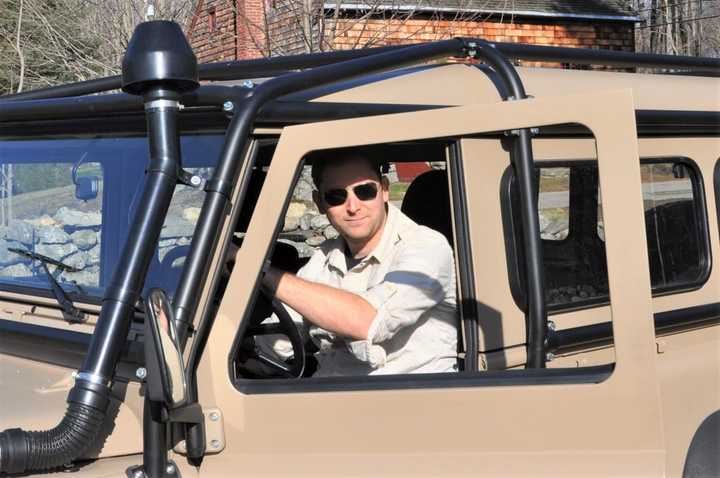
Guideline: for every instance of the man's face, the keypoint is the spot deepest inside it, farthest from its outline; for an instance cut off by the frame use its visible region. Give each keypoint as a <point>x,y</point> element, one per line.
<point>358,221</point>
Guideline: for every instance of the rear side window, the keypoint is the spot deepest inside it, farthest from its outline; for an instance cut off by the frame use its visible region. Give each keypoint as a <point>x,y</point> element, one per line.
<point>674,227</point>
<point>573,234</point>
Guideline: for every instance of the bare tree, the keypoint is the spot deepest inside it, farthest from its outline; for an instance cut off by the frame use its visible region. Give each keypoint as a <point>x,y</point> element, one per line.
<point>45,43</point>
<point>686,27</point>
<point>113,23</point>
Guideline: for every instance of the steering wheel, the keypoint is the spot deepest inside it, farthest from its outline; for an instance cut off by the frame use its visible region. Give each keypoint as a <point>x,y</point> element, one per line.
<point>252,360</point>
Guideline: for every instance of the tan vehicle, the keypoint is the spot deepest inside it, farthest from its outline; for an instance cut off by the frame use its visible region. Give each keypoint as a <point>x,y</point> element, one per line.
<point>582,207</point>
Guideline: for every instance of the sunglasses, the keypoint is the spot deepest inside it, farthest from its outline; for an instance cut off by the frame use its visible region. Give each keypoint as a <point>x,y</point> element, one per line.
<point>364,192</point>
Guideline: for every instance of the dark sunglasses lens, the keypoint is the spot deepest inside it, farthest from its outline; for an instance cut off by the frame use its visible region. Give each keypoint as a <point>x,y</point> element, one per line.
<point>366,192</point>
<point>335,197</point>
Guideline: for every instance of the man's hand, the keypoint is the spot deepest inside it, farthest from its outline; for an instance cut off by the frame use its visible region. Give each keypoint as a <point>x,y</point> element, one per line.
<point>330,308</point>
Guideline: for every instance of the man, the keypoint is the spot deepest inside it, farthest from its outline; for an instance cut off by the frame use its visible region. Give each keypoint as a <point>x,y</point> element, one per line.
<point>379,299</point>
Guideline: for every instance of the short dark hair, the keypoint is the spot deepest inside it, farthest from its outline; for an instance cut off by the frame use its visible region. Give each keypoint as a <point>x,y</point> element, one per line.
<point>321,160</point>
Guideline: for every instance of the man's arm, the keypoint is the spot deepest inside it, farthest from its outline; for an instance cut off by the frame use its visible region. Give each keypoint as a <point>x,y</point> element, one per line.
<point>330,308</point>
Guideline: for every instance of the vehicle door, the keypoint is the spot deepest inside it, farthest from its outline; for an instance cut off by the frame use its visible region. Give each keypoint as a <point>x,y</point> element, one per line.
<point>573,421</point>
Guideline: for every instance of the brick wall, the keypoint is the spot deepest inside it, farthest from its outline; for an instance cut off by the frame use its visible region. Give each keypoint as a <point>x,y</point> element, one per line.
<point>212,31</point>
<point>224,30</point>
<point>606,35</point>
<point>239,30</point>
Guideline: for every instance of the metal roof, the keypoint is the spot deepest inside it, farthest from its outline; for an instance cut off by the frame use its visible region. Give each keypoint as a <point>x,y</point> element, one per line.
<point>578,9</point>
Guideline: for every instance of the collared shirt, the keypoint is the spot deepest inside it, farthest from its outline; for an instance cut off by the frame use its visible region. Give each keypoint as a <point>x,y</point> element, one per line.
<point>410,281</point>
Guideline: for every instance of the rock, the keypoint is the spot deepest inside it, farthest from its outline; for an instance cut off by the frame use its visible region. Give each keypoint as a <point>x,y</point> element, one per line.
<point>191,214</point>
<point>77,260</point>
<point>19,231</point>
<point>319,222</point>
<point>17,270</point>
<point>75,218</point>
<point>303,249</point>
<point>8,258</point>
<point>178,262</point>
<point>162,251</point>
<point>330,232</point>
<point>56,251</point>
<point>291,223</point>
<point>177,227</point>
<point>296,210</point>
<point>43,220</point>
<point>53,235</point>
<point>589,289</point>
<point>544,222</point>
<point>93,256</point>
<point>305,221</point>
<point>315,241</point>
<point>559,227</point>
<point>167,242</point>
<point>89,276</point>
<point>303,189</point>
<point>84,238</point>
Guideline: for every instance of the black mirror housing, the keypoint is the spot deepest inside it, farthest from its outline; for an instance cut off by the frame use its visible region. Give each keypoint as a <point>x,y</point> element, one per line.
<point>86,188</point>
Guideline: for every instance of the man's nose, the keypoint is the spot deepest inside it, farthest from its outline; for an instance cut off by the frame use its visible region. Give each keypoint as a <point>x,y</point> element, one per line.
<point>353,203</point>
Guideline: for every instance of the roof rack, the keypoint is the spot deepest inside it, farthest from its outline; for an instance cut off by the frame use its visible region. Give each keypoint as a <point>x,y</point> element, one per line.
<point>276,66</point>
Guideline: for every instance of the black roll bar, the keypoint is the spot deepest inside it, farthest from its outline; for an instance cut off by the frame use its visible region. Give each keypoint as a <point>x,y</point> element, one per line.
<point>280,65</point>
<point>587,56</point>
<point>220,71</point>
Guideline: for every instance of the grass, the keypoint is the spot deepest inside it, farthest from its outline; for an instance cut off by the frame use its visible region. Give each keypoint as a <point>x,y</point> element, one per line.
<point>398,190</point>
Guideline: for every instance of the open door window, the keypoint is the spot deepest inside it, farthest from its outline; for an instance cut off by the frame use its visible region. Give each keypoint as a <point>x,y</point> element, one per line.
<point>298,144</point>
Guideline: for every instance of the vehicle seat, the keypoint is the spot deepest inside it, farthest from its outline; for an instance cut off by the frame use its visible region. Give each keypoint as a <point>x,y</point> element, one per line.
<point>427,202</point>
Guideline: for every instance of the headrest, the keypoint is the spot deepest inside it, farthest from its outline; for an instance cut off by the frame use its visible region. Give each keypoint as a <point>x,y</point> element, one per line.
<point>427,202</point>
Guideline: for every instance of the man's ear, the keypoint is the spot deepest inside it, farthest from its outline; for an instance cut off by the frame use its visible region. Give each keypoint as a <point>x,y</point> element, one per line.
<point>385,183</point>
<point>318,202</point>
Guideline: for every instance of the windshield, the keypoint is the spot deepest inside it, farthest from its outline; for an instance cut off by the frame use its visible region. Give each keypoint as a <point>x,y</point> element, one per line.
<point>73,200</point>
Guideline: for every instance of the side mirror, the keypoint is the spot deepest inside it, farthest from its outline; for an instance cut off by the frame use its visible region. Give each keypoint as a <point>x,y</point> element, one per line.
<point>163,357</point>
<point>86,188</point>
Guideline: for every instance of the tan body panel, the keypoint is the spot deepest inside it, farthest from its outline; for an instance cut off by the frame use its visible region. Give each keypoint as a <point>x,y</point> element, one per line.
<point>465,430</point>
<point>471,85</point>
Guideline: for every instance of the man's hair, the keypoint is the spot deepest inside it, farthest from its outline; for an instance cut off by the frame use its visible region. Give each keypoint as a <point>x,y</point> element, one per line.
<point>321,160</point>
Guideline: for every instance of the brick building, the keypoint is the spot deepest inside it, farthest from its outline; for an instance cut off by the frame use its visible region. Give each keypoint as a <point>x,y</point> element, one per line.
<point>223,30</point>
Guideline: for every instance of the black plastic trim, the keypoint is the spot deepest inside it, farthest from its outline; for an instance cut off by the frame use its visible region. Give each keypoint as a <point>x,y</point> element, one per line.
<point>513,242</point>
<point>716,184</point>
<point>505,378</point>
<point>665,322</point>
<point>465,258</point>
<point>62,347</point>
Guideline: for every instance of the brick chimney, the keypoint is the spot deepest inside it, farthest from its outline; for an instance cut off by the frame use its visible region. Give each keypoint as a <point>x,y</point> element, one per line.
<point>226,30</point>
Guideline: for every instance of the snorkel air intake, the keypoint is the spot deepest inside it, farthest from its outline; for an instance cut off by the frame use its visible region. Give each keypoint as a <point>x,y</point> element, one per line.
<point>159,65</point>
